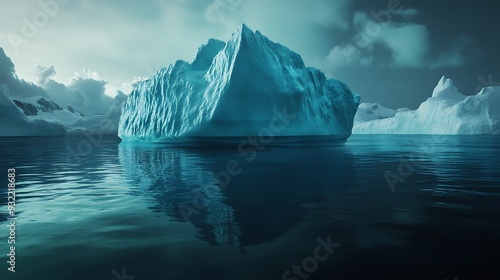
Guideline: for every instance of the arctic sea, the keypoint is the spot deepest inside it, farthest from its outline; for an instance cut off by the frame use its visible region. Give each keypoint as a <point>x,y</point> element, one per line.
<point>373,207</point>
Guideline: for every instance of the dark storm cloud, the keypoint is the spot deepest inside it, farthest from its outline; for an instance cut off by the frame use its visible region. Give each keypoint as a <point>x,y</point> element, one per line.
<point>17,87</point>
<point>7,69</point>
<point>403,55</point>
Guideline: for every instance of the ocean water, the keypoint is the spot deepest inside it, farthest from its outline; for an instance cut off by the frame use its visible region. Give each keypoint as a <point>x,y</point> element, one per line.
<point>373,207</point>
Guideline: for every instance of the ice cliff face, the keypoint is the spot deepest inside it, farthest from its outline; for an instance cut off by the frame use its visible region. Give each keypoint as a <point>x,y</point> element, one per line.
<point>446,112</point>
<point>239,88</point>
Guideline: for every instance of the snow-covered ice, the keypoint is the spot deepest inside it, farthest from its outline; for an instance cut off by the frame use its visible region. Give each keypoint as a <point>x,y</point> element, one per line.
<point>106,124</point>
<point>239,88</point>
<point>37,116</point>
<point>40,108</point>
<point>14,123</point>
<point>373,111</point>
<point>446,112</point>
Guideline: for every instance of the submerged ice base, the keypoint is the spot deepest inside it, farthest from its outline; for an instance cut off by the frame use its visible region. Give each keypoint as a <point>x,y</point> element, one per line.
<point>248,86</point>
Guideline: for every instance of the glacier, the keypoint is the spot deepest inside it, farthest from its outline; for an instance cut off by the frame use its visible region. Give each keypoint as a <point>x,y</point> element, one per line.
<point>40,108</point>
<point>14,123</point>
<point>38,116</point>
<point>238,89</point>
<point>447,111</point>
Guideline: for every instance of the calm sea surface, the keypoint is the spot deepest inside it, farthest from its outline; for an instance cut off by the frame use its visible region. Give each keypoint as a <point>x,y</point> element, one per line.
<point>374,207</point>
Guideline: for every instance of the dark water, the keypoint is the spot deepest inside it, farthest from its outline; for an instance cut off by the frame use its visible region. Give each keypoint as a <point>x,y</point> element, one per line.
<point>153,211</point>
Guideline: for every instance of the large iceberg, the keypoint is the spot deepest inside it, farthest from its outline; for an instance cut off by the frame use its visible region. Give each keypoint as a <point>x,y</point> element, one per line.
<point>446,112</point>
<point>239,88</point>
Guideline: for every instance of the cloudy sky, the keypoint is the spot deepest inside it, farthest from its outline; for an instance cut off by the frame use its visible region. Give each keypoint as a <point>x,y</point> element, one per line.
<point>391,52</point>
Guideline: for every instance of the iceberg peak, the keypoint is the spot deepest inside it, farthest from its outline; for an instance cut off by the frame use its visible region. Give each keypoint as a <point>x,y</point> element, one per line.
<point>446,90</point>
<point>244,30</point>
<point>206,53</point>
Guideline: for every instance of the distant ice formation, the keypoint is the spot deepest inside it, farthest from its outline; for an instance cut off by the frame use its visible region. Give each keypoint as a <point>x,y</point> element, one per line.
<point>14,123</point>
<point>38,116</point>
<point>446,112</point>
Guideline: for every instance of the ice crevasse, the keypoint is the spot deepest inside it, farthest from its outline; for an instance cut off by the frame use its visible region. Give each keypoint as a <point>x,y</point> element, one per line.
<point>238,89</point>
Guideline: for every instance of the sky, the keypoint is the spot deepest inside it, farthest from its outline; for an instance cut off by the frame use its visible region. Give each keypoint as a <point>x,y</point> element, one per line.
<point>388,51</point>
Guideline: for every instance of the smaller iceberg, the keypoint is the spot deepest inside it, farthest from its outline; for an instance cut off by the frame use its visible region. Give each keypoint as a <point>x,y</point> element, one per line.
<point>446,112</point>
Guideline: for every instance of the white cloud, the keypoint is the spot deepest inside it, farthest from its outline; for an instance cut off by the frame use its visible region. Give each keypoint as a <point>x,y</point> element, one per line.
<point>90,74</point>
<point>44,73</point>
<point>341,56</point>
<point>409,12</point>
<point>85,94</point>
<point>408,43</point>
<point>448,59</point>
<point>129,86</point>
<point>123,41</point>
<point>454,57</point>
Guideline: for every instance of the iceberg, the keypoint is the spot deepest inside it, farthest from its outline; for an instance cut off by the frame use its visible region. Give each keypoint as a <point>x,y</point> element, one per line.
<point>374,111</point>
<point>238,89</point>
<point>447,111</point>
